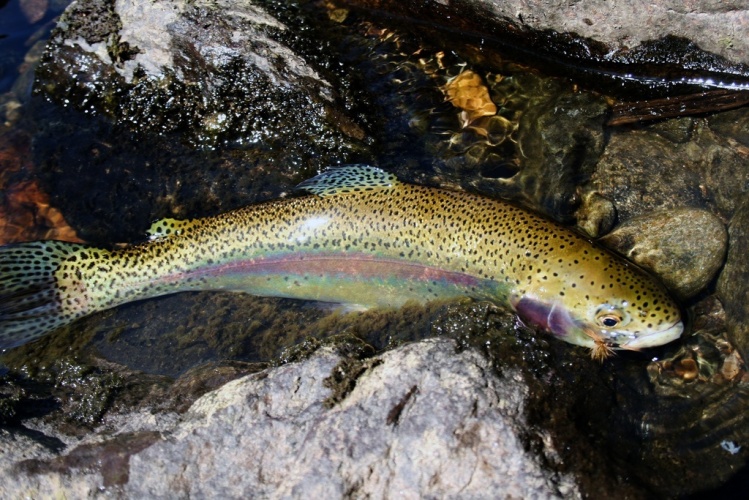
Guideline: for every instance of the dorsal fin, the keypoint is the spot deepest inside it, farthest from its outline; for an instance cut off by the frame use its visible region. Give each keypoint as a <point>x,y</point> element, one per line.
<point>164,228</point>
<point>349,179</point>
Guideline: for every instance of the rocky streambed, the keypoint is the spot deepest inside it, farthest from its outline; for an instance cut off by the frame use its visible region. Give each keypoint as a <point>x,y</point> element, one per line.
<point>142,110</point>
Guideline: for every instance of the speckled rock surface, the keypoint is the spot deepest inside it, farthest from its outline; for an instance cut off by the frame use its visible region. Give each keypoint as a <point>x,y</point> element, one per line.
<point>685,247</point>
<point>417,421</point>
<point>170,66</point>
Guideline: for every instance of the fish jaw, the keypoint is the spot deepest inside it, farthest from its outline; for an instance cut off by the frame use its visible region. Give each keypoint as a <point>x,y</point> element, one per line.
<point>660,337</point>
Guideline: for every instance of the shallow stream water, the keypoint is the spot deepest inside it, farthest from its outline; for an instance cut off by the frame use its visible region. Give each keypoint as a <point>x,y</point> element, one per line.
<point>76,173</point>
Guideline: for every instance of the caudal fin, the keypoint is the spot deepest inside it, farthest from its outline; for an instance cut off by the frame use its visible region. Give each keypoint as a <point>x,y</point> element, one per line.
<point>30,304</point>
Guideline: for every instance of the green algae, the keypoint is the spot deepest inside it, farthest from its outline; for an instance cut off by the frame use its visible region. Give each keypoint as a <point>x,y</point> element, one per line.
<point>343,378</point>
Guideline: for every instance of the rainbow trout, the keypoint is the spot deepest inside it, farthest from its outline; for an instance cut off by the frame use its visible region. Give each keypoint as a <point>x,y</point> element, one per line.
<point>360,238</point>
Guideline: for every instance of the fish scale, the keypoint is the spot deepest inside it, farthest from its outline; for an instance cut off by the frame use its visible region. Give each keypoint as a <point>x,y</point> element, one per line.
<point>362,239</point>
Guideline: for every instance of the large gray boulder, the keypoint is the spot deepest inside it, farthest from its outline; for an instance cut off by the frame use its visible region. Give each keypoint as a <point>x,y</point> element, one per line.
<point>420,420</point>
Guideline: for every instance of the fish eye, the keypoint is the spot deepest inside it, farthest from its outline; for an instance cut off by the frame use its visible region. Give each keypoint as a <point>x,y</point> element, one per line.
<point>609,321</point>
<point>609,316</point>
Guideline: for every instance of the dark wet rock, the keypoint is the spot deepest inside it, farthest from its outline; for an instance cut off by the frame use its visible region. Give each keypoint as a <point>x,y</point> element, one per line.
<point>697,443</point>
<point>420,419</point>
<point>76,396</point>
<point>733,283</point>
<point>652,169</point>
<point>216,72</point>
<point>181,109</point>
<point>677,131</point>
<point>733,128</point>
<point>685,248</point>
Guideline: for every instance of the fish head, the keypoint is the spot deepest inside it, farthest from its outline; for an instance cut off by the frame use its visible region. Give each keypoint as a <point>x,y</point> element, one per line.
<point>622,324</point>
<point>632,312</point>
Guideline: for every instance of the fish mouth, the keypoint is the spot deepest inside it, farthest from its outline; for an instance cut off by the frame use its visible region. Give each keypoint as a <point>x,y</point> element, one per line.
<point>654,339</point>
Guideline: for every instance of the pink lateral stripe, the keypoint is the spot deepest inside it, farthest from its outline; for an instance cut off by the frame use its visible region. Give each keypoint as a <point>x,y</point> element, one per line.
<point>352,265</point>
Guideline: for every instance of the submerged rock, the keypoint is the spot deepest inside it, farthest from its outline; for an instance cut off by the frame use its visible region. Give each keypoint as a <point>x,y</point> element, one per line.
<point>534,141</point>
<point>561,140</point>
<point>663,167</point>
<point>596,215</point>
<point>733,283</point>
<point>685,247</point>
<point>25,212</point>
<point>419,420</point>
